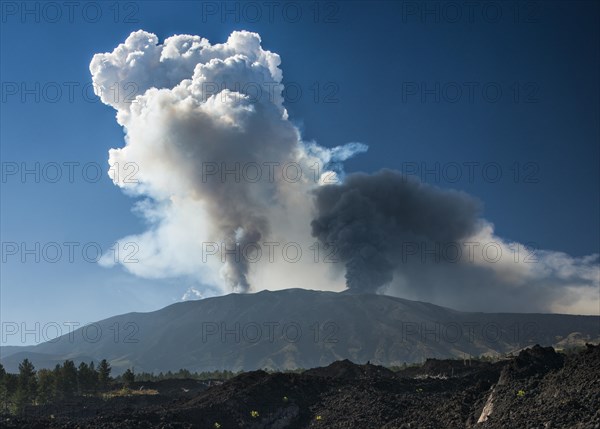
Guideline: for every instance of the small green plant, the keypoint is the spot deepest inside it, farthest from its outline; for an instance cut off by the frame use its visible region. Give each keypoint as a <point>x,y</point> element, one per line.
<point>285,399</point>
<point>520,393</point>
<point>419,390</point>
<point>254,414</point>
<point>318,418</point>
<point>217,425</point>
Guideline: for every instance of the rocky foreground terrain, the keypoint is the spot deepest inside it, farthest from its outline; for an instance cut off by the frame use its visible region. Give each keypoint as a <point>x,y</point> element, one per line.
<point>539,388</point>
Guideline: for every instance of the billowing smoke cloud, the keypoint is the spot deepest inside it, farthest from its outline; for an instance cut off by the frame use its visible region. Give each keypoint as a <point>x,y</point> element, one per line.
<point>369,219</point>
<point>217,166</point>
<point>396,235</point>
<point>210,143</point>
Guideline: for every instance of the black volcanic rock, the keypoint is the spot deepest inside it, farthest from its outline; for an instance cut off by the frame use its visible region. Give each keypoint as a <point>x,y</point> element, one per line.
<point>536,361</point>
<point>548,390</point>
<point>345,370</point>
<point>555,394</point>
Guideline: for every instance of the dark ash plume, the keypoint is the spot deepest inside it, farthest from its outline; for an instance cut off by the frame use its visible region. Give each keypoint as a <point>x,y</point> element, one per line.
<point>369,218</point>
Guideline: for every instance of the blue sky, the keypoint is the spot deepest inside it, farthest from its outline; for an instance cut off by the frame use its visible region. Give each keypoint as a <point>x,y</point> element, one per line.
<point>373,65</point>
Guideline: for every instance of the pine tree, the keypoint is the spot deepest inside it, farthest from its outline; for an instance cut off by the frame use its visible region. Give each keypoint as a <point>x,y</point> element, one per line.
<point>104,374</point>
<point>57,375</point>
<point>68,379</point>
<point>184,373</point>
<point>11,382</point>
<point>87,378</point>
<point>3,389</point>
<point>27,385</point>
<point>128,378</point>
<point>93,378</point>
<point>46,386</point>
<point>82,376</point>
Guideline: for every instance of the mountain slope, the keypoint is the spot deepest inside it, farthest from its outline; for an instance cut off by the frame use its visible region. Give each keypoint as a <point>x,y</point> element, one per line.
<point>299,328</point>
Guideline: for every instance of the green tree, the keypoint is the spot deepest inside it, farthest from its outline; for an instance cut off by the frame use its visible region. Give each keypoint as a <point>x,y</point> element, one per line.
<point>93,377</point>
<point>104,374</point>
<point>183,373</point>
<point>128,378</point>
<point>87,378</point>
<point>27,385</point>
<point>66,382</point>
<point>46,386</point>
<point>10,382</point>
<point>57,375</point>
<point>3,389</point>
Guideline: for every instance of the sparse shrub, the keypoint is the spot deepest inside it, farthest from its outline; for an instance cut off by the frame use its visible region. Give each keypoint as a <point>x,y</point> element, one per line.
<point>254,414</point>
<point>520,393</point>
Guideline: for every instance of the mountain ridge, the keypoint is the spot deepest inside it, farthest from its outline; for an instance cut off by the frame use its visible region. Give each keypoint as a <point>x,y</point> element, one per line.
<point>300,328</point>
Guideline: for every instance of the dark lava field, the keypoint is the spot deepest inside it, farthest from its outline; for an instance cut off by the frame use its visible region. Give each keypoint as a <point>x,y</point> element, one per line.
<point>538,388</point>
